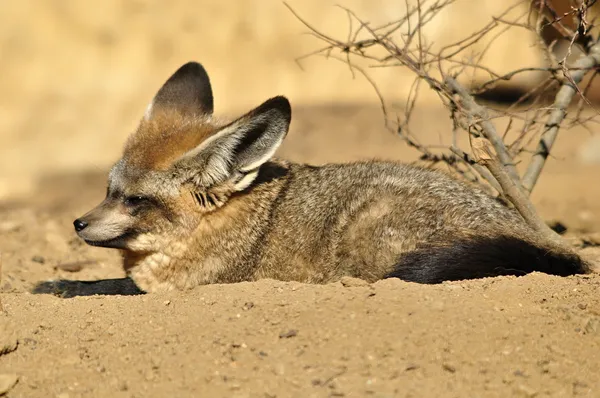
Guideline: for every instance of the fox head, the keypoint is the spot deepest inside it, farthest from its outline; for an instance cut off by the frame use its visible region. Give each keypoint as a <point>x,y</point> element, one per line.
<point>180,159</point>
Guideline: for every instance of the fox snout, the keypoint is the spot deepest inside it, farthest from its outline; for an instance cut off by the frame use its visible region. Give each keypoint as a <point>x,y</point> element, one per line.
<point>106,225</point>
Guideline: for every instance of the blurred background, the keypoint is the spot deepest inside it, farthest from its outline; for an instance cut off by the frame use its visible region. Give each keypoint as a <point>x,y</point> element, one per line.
<point>75,76</point>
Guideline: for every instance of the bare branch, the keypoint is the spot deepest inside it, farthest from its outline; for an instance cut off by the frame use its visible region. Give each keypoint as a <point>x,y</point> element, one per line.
<point>491,162</point>
<point>371,82</point>
<point>498,167</point>
<point>515,194</point>
<point>1,307</point>
<point>561,103</point>
<point>489,130</point>
<point>482,171</point>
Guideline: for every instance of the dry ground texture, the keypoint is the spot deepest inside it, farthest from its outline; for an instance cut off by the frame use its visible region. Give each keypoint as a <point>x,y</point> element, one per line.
<point>74,79</point>
<point>532,336</point>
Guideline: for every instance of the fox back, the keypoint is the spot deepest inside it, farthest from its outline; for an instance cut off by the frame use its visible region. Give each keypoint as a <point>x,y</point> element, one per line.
<point>195,200</point>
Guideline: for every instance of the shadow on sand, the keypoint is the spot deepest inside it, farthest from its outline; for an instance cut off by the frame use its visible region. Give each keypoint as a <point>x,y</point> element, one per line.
<point>68,288</point>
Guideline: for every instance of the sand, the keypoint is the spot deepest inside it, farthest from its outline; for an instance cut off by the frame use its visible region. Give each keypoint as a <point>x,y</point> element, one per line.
<point>533,336</point>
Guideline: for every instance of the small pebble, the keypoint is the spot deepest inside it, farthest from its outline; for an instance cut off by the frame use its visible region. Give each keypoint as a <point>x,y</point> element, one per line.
<point>7,382</point>
<point>449,367</point>
<point>526,391</point>
<point>8,342</point>
<point>74,266</point>
<point>122,386</point>
<point>9,226</point>
<point>38,259</point>
<point>288,334</point>
<point>348,281</point>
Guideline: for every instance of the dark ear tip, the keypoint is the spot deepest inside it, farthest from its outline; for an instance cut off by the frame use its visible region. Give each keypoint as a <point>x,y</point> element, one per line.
<point>282,104</point>
<point>191,67</point>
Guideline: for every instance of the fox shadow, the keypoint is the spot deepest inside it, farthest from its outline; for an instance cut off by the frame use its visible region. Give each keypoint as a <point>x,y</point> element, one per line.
<point>71,288</point>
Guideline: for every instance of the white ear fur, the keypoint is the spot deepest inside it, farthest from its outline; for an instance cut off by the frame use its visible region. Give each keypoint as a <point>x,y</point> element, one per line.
<point>245,181</point>
<point>240,147</point>
<point>148,112</point>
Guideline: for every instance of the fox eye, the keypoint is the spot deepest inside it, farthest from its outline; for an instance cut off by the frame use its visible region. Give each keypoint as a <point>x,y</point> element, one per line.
<point>135,200</point>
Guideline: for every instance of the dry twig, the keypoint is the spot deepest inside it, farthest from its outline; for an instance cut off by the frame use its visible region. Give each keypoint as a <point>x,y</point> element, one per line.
<point>480,113</point>
<point>482,153</point>
<point>563,99</point>
<point>404,44</point>
<point>1,307</point>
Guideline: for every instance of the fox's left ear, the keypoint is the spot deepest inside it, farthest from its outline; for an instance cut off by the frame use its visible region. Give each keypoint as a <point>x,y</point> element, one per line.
<point>240,148</point>
<point>187,91</point>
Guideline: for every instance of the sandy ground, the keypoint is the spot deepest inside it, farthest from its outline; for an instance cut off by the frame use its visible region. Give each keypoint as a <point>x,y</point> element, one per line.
<point>534,336</point>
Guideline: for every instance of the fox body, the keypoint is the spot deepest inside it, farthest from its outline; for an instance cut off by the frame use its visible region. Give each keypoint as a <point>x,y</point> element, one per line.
<point>196,201</point>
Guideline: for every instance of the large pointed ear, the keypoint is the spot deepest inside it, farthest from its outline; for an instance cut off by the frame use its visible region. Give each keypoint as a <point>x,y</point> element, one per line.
<point>240,148</point>
<point>187,91</point>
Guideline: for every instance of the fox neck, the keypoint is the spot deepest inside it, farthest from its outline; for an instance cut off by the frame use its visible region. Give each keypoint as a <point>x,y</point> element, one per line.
<point>218,246</point>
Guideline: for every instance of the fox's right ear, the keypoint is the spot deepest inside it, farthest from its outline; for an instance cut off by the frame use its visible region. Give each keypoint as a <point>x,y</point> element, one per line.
<point>240,148</point>
<point>187,91</point>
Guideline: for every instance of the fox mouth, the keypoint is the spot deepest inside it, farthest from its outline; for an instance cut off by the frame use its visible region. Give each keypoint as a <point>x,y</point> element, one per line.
<point>119,242</point>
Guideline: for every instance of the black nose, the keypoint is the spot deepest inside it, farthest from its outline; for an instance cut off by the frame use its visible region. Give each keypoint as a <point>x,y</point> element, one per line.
<point>79,224</point>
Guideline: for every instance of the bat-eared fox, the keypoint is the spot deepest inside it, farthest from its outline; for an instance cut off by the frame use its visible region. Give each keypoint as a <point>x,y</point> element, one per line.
<point>195,200</point>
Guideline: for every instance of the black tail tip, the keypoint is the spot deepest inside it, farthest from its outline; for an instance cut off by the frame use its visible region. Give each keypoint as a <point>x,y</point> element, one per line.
<point>481,257</point>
